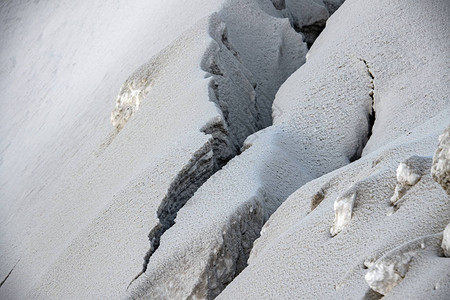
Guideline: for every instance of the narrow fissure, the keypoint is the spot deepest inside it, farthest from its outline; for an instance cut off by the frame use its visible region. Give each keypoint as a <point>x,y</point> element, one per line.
<point>222,147</point>
<point>204,163</point>
<point>371,94</point>
<point>9,274</point>
<point>371,116</point>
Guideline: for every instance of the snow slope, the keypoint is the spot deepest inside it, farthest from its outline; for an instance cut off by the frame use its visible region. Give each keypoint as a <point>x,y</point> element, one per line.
<point>58,173</point>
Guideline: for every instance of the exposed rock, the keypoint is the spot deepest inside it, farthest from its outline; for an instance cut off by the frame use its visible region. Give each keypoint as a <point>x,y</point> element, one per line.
<point>441,161</point>
<point>409,172</point>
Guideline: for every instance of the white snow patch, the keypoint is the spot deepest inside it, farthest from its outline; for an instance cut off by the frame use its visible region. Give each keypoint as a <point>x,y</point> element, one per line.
<point>446,241</point>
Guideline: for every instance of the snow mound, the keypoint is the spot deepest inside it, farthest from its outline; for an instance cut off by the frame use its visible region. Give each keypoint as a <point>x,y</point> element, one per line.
<point>236,211</point>
<point>298,236</point>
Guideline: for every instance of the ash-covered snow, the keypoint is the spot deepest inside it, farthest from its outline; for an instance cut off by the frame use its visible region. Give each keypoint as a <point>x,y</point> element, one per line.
<point>169,200</point>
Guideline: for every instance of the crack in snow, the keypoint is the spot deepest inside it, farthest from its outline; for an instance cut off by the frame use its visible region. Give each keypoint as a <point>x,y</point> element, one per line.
<point>9,274</point>
<point>233,89</point>
<point>371,116</point>
<point>204,163</point>
<point>279,4</point>
<point>226,138</point>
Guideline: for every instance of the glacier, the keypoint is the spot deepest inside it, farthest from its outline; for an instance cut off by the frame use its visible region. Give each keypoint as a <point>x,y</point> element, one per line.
<point>232,149</point>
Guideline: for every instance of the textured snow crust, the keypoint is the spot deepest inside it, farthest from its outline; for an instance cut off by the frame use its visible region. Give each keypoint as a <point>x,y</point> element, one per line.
<point>215,249</point>
<point>296,255</point>
<point>78,199</point>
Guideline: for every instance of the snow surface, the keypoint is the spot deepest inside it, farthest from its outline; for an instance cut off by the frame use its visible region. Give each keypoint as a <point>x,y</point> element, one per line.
<point>76,198</point>
<point>167,201</point>
<point>295,254</point>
